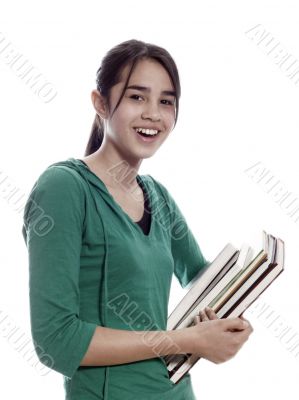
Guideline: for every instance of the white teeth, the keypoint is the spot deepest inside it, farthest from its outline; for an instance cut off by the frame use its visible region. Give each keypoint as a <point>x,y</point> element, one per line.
<point>147,131</point>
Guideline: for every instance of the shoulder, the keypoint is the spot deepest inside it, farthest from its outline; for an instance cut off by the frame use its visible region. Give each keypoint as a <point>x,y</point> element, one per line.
<point>58,194</point>
<point>57,186</point>
<point>59,178</point>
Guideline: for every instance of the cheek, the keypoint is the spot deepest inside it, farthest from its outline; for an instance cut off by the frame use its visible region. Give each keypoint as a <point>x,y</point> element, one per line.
<point>122,119</point>
<point>127,114</point>
<point>169,117</point>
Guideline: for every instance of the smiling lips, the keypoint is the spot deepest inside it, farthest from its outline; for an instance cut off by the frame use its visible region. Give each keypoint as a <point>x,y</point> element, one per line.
<point>147,137</point>
<point>147,132</point>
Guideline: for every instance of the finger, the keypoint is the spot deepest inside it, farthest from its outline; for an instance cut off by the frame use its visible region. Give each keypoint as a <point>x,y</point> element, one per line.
<point>233,324</point>
<point>244,319</point>
<point>250,327</point>
<point>197,319</point>
<point>203,315</point>
<point>211,313</point>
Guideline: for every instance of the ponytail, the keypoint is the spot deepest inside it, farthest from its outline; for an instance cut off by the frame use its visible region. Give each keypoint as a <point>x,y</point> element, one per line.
<point>96,136</point>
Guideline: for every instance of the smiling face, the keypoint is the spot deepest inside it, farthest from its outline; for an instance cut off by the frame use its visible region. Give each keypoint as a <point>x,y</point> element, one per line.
<point>148,102</point>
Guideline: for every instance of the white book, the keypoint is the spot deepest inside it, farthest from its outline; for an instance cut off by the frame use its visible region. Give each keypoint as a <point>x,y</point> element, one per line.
<point>219,292</point>
<point>276,268</point>
<point>251,280</point>
<point>244,257</point>
<point>200,285</point>
<point>264,283</point>
<point>228,278</point>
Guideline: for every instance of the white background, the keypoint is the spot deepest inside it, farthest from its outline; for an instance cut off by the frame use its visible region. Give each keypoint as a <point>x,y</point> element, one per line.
<point>237,108</point>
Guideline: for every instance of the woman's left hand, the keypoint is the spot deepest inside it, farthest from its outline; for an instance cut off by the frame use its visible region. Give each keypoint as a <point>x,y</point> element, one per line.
<point>205,315</point>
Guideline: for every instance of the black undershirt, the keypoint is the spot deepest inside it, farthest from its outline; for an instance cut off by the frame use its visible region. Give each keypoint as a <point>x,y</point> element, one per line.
<point>145,221</point>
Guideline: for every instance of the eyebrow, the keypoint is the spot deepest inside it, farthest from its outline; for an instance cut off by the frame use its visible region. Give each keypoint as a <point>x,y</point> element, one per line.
<point>147,89</point>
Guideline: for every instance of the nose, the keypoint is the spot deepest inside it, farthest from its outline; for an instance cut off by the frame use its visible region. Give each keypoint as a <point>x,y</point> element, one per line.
<point>151,111</point>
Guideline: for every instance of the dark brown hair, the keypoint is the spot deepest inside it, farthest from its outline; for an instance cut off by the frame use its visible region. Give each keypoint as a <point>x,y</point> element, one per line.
<point>109,74</point>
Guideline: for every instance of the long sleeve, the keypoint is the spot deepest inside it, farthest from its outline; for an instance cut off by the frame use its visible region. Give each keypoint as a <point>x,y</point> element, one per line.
<point>52,230</point>
<point>187,255</point>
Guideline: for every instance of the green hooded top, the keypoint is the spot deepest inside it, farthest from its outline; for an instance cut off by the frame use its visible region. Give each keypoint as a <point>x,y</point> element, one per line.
<point>91,265</point>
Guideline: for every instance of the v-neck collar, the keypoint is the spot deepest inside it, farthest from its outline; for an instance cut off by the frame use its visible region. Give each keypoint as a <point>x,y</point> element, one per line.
<point>146,192</point>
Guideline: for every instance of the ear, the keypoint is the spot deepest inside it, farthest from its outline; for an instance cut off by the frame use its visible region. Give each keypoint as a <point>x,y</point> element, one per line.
<point>99,103</point>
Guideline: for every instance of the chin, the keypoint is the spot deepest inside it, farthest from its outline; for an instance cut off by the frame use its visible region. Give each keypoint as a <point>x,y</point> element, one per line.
<point>147,154</point>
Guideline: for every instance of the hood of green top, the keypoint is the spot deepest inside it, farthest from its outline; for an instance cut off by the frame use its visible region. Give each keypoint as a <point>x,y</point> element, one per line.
<point>84,171</point>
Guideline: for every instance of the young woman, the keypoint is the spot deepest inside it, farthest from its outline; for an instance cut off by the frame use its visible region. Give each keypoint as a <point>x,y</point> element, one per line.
<point>104,243</point>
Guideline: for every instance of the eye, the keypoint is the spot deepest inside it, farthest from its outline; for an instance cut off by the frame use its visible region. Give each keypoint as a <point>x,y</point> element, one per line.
<point>135,95</point>
<point>170,103</point>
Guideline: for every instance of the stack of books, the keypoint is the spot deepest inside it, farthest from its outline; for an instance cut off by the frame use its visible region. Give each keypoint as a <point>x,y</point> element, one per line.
<point>228,285</point>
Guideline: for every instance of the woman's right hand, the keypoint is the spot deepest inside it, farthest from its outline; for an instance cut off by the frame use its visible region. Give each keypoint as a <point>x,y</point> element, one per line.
<point>216,339</point>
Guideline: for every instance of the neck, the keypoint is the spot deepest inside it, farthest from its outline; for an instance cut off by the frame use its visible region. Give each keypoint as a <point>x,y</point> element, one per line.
<point>118,171</point>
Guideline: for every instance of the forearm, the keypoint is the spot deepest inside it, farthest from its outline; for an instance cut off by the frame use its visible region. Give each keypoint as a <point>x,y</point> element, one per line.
<point>113,346</point>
